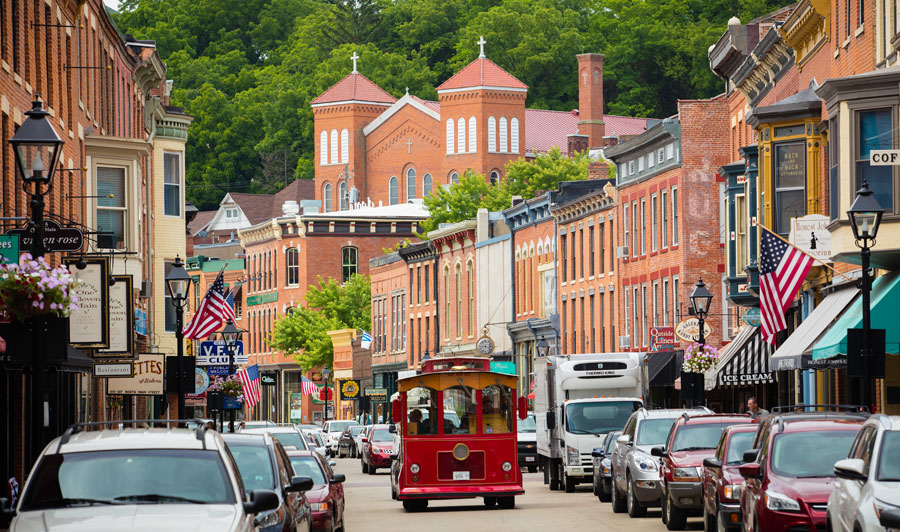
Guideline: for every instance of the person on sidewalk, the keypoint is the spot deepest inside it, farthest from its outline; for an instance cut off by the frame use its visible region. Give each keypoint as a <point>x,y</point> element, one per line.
<point>754,410</point>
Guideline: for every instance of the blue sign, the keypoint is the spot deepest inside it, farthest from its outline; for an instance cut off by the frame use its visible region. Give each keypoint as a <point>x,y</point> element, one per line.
<point>216,354</point>
<point>230,403</point>
<point>140,322</point>
<point>752,317</point>
<point>217,371</point>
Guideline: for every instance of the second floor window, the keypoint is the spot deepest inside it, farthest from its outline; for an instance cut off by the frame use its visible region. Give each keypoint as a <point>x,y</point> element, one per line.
<point>790,184</point>
<point>292,267</point>
<point>348,263</point>
<point>172,186</point>
<point>875,133</point>
<point>111,210</point>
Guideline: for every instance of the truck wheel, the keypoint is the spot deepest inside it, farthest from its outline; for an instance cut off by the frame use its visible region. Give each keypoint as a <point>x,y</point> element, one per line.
<point>490,502</point>
<point>634,505</point>
<point>546,471</point>
<point>554,475</point>
<point>618,503</point>
<point>532,469</point>
<point>677,516</point>
<point>569,483</point>
<point>507,503</point>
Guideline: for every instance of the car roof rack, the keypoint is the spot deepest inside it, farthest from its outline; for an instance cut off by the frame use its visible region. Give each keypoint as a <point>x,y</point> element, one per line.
<point>884,419</point>
<point>200,431</point>
<point>828,408</point>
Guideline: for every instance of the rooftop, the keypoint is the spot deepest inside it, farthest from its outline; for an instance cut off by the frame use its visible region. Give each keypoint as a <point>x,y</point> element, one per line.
<point>354,87</point>
<point>389,212</point>
<point>482,72</point>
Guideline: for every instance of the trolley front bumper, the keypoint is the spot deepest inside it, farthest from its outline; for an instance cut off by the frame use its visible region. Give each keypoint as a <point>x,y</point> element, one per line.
<point>460,492</point>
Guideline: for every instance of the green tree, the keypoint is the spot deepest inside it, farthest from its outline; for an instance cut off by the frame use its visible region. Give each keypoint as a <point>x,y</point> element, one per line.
<point>353,22</point>
<point>458,202</point>
<point>303,332</point>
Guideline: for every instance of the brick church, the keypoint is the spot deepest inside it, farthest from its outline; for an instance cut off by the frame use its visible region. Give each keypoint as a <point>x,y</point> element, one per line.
<point>372,147</point>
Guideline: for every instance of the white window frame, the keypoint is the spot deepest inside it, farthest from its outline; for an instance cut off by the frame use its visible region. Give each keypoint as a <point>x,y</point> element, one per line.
<point>126,219</point>
<point>675,216</point>
<point>473,135</point>
<point>641,163</point>
<point>451,137</point>
<point>411,178</point>
<point>180,184</point>
<point>664,214</point>
<point>626,225</point>
<point>323,148</point>
<point>504,135</point>
<point>643,226</point>
<point>327,197</point>
<point>514,136</point>
<point>665,301</point>
<point>634,228</point>
<point>345,146</point>
<point>654,223</point>
<point>625,308</point>
<point>461,135</point>
<point>492,134</point>
<point>333,153</point>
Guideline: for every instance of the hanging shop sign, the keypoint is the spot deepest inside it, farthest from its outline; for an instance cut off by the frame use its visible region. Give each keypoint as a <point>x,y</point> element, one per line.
<point>662,338</point>
<point>216,354</point>
<point>689,330</point>
<point>113,368</point>
<point>349,390</point>
<point>149,370</point>
<point>56,238</point>
<point>89,323</point>
<point>121,326</point>
<point>377,395</point>
<point>9,248</point>
<point>268,378</point>
<point>752,317</point>
<point>810,233</point>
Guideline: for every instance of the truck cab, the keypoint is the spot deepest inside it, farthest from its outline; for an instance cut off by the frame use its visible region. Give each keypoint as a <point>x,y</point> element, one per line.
<point>578,399</point>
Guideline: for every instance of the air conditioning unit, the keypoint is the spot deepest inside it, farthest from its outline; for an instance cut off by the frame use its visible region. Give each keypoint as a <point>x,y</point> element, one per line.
<point>625,341</point>
<point>622,252</point>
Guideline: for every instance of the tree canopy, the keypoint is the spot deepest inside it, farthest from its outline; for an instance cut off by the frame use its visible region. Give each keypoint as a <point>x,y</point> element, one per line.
<point>248,69</point>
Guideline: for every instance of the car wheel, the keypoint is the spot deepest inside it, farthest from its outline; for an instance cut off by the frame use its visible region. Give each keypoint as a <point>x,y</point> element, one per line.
<point>604,492</point>
<point>594,487</point>
<point>365,468</point>
<point>569,483</point>
<point>634,505</point>
<point>618,503</point>
<point>415,505</point>
<point>532,469</point>
<point>662,512</point>
<point>490,502</point>
<point>507,503</point>
<point>372,470</point>
<point>677,516</point>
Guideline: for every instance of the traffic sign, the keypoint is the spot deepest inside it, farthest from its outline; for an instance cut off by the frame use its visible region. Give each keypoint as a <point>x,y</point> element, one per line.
<point>216,354</point>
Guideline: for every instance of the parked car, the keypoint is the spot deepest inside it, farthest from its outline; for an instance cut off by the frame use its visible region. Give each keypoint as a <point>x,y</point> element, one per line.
<point>286,434</point>
<point>527,443</point>
<point>264,465</point>
<point>259,424</point>
<point>316,441</point>
<point>308,426</point>
<point>789,472</point>
<point>691,440</point>
<point>347,441</point>
<point>868,480</point>
<point>635,474</point>
<point>602,470</point>
<point>327,495</point>
<point>378,447</point>
<point>333,429</point>
<point>358,438</point>
<point>164,478</point>
<point>721,478</point>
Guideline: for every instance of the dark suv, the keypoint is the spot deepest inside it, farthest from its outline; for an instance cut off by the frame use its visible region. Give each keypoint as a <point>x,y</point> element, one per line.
<point>721,478</point>
<point>789,472</point>
<point>691,440</point>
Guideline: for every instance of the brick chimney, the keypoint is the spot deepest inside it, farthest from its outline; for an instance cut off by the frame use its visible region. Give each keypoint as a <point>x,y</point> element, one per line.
<point>590,98</point>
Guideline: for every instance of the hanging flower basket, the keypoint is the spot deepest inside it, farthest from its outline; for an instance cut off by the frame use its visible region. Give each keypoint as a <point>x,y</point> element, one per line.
<point>230,386</point>
<point>32,288</point>
<point>699,358</point>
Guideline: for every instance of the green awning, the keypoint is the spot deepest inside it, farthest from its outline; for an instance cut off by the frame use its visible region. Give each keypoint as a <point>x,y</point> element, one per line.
<point>884,304</point>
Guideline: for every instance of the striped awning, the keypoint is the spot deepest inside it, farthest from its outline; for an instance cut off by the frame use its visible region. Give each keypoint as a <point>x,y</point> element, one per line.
<point>745,361</point>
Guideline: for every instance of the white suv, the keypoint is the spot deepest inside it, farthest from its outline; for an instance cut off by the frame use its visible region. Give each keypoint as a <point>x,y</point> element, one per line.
<point>137,479</point>
<point>868,480</point>
<point>333,428</point>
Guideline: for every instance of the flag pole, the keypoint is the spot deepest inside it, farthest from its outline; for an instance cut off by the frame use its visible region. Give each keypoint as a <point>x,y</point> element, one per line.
<point>779,237</point>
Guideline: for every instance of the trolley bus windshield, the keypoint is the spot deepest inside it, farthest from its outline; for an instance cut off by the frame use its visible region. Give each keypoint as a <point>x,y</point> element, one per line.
<point>598,418</point>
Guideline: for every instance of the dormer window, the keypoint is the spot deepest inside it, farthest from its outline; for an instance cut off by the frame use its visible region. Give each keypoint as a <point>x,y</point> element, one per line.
<point>231,213</point>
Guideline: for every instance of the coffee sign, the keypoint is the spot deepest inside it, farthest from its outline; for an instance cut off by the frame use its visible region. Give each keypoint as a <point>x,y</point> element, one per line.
<point>689,330</point>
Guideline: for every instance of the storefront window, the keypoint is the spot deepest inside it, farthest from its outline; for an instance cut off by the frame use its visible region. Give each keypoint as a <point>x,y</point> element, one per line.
<point>496,410</point>
<point>460,410</point>
<point>790,184</point>
<point>875,133</point>
<point>421,412</point>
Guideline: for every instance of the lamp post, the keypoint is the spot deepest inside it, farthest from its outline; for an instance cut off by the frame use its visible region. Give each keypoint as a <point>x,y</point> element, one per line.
<point>326,375</point>
<point>232,336</point>
<point>543,348</point>
<point>179,283</point>
<point>865,218</point>
<point>701,298</point>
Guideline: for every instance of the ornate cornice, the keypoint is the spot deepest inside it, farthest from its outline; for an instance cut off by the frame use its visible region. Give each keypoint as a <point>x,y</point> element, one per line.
<point>805,30</point>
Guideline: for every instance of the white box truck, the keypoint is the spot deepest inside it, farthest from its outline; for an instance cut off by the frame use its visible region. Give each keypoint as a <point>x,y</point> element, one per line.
<point>577,400</point>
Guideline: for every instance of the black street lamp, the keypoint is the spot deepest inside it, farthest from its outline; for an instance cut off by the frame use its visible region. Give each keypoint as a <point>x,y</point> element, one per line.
<point>326,374</point>
<point>179,283</point>
<point>542,347</point>
<point>701,299</point>
<point>865,218</point>
<point>232,335</point>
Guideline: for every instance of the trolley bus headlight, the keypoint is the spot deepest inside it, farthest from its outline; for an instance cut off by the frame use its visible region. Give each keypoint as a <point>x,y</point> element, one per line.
<point>506,466</point>
<point>414,469</point>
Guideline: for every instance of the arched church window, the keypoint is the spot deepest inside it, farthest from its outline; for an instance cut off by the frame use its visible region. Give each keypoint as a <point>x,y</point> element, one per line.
<point>323,148</point>
<point>514,135</point>
<point>450,137</point>
<point>461,135</point>
<point>492,134</point>
<point>473,135</point>
<point>326,198</point>
<point>410,184</point>
<point>504,140</point>
<point>394,190</point>
<point>426,185</point>
<point>345,146</point>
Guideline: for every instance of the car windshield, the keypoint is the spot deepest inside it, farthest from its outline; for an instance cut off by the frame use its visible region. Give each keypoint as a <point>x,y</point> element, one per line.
<point>308,466</point>
<point>598,418</point>
<point>291,439</point>
<point>133,476</point>
<point>340,426</point>
<point>527,424</point>
<point>382,435</point>
<point>611,442</point>
<point>654,431</point>
<point>889,468</point>
<point>792,456</point>
<point>255,465</point>
<point>354,431</point>
<point>739,442</point>
<point>697,437</point>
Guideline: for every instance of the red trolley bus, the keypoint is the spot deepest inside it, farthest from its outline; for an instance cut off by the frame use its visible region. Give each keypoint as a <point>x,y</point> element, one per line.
<point>457,426</point>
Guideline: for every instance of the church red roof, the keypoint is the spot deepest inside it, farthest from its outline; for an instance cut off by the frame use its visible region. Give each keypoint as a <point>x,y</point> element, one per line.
<point>354,87</point>
<point>480,73</point>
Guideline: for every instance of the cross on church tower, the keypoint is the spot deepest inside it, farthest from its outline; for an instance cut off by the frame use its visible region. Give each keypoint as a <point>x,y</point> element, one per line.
<point>481,43</point>
<point>354,57</point>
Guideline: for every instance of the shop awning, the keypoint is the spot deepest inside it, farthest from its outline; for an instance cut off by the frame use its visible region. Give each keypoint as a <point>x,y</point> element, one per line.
<point>744,361</point>
<point>884,304</point>
<point>663,367</point>
<point>790,355</point>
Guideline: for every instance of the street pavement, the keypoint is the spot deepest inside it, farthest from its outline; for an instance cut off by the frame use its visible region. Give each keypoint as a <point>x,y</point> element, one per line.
<point>369,507</point>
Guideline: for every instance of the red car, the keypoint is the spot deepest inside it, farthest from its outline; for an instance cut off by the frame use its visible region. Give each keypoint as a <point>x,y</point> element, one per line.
<point>691,439</point>
<point>377,448</point>
<point>722,510</point>
<point>789,472</point>
<point>326,498</point>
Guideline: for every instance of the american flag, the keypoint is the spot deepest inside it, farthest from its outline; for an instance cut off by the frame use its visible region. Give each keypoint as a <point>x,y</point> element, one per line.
<point>309,387</point>
<point>783,268</point>
<point>250,381</point>
<point>212,311</point>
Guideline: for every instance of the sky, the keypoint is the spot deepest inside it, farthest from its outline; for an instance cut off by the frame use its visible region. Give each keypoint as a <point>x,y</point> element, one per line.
<point>112,3</point>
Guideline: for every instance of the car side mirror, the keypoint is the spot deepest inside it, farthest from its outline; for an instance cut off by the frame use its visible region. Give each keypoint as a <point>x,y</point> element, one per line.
<point>392,428</point>
<point>712,463</point>
<point>850,469</point>
<point>751,470</point>
<point>597,452</point>
<point>338,479</point>
<point>5,508</point>
<point>522,407</point>
<point>299,484</point>
<point>261,501</point>
<point>551,420</point>
<point>659,451</point>
<point>624,439</point>
<point>890,519</point>
<point>332,463</point>
<point>364,439</point>
<point>750,455</point>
